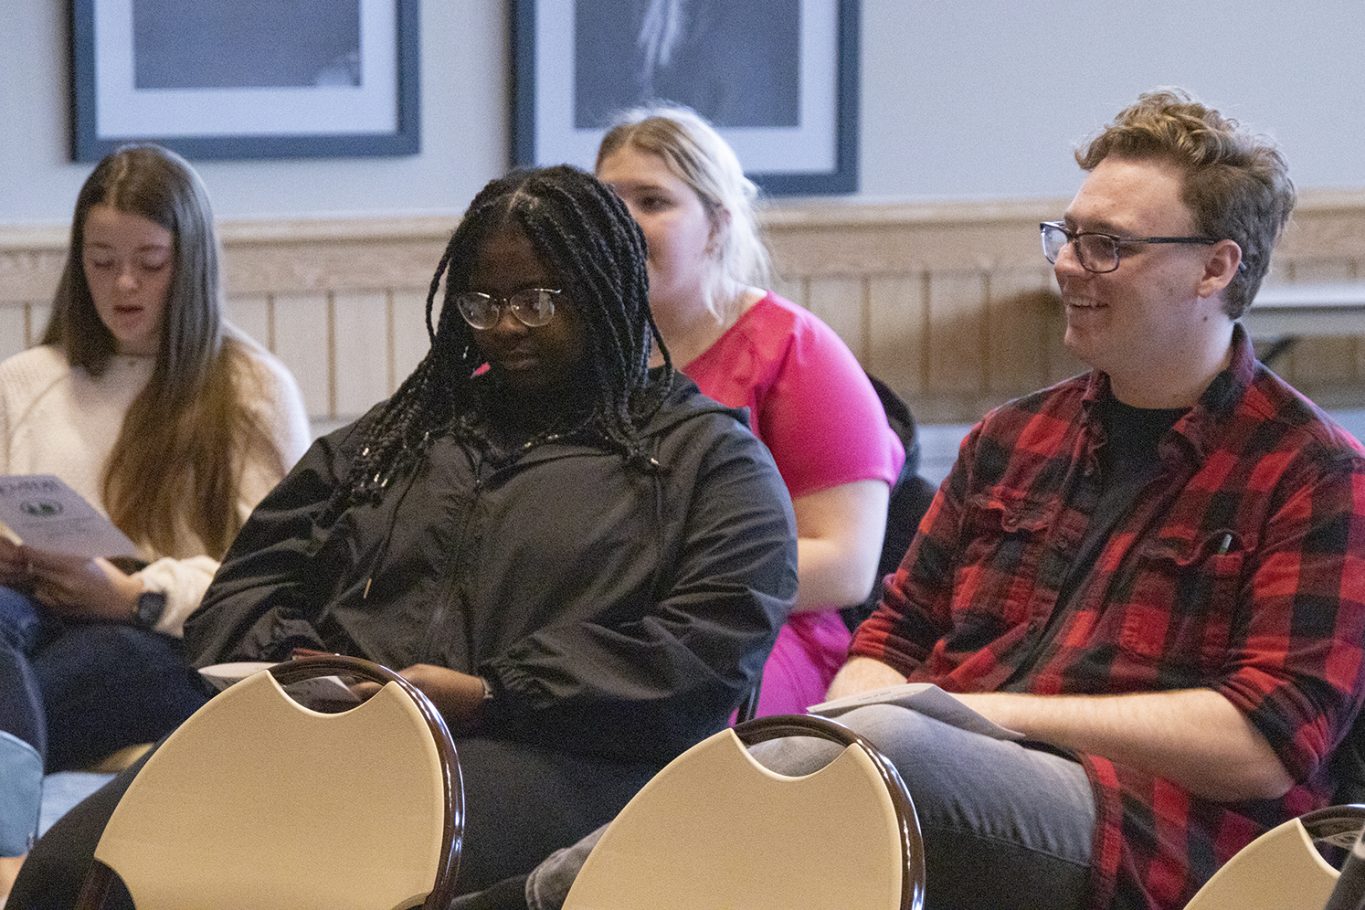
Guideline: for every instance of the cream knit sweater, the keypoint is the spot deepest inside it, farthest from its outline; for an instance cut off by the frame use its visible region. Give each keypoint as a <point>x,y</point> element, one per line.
<point>58,419</point>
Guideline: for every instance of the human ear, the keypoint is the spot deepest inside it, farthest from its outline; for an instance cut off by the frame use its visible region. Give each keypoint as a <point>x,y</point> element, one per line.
<point>720,225</point>
<point>1224,259</point>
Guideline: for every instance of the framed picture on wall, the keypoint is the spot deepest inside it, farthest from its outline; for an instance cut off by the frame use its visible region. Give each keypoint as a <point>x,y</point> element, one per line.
<point>246,78</point>
<point>778,78</point>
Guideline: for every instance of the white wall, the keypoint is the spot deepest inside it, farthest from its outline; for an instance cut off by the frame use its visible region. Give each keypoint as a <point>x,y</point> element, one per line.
<point>465,86</point>
<point>984,98</point>
<point>966,99</point>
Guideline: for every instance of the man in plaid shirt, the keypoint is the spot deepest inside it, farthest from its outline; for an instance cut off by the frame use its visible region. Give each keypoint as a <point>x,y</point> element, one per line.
<point>1154,572</point>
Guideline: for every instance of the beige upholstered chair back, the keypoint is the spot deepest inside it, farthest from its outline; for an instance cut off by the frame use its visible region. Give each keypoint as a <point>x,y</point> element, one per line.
<point>256,801</point>
<point>1283,869</point>
<point>715,829</point>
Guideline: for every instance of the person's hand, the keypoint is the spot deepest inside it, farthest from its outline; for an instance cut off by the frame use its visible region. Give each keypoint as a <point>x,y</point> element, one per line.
<point>13,565</point>
<point>74,587</point>
<point>458,696</point>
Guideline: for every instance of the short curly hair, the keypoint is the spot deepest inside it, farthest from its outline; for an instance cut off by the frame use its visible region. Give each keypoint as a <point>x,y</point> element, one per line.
<point>1236,182</point>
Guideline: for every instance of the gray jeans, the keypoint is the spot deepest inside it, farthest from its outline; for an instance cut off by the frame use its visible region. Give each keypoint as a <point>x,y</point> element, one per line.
<point>1005,825</point>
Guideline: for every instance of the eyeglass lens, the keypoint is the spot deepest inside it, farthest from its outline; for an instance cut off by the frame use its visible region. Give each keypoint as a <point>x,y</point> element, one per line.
<point>533,307</point>
<point>1096,252</point>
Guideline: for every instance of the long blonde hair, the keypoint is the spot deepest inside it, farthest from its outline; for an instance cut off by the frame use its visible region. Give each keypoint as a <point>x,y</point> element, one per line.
<point>177,462</point>
<point>695,153</point>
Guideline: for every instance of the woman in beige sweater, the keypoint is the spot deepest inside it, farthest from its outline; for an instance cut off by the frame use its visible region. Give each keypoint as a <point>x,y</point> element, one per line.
<point>142,399</point>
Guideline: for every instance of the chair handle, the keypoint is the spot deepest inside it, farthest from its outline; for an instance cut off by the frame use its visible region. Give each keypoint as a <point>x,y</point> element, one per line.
<point>1338,824</point>
<point>452,840</point>
<point>301,668</point>
<point>779,726</point>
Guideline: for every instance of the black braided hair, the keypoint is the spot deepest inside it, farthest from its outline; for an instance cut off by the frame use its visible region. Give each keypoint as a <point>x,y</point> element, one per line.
<point>586,235</point>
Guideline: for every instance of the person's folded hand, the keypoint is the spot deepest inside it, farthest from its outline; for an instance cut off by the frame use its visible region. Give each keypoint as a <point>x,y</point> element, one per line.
<point>74,587</point>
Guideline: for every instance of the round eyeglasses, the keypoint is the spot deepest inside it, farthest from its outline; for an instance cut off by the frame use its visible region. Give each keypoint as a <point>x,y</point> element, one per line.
<point>1096,251</point>
<point>533,307</point>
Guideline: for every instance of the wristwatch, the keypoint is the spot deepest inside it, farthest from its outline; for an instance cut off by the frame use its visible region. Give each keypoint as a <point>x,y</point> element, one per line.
<point>150,606</point>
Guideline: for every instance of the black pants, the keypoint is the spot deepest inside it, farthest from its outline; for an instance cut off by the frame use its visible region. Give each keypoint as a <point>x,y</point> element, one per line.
<point>522,802</point>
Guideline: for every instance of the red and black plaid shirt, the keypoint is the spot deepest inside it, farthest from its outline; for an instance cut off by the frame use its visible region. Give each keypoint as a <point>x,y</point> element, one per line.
<point>1241,569</point>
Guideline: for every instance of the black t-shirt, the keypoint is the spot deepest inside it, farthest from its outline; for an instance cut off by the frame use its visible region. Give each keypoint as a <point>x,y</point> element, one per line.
<point>1128,463</point>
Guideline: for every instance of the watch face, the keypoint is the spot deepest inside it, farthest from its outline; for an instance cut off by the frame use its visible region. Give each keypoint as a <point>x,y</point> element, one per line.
<point>150,606</point>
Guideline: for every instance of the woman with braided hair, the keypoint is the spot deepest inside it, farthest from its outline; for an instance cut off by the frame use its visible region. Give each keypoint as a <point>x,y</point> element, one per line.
<point>581,559</point>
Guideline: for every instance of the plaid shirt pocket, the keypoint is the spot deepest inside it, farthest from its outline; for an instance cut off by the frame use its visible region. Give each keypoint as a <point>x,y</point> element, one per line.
<point>1184,600</point>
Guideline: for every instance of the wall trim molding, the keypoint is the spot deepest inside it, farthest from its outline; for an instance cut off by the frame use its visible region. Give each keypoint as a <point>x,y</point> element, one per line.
<point>1318,217</point>
<point>949,302</point>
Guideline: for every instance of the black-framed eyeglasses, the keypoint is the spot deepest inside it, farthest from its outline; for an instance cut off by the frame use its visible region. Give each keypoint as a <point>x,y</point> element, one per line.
<point>1097,251</point>
<point>533,307</point>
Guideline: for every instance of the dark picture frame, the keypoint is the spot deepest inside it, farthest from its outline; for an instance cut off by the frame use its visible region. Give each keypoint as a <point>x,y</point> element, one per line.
<point>127,84</point>
<point>779,78</point>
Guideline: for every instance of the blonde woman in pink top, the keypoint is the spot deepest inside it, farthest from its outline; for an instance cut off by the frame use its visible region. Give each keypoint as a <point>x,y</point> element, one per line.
<point>809,400</point>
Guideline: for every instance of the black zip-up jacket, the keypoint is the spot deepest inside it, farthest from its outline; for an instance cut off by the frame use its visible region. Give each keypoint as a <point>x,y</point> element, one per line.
<point>614,611</point>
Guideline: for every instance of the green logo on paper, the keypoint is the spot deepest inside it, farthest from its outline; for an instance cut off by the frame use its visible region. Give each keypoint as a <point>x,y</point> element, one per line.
<point>41,508</point>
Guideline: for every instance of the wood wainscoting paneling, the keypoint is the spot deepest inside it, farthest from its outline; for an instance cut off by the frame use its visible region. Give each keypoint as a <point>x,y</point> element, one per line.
<point>951,304</point>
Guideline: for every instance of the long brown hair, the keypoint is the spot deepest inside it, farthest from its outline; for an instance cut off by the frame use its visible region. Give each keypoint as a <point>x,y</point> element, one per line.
<point>177,462</point>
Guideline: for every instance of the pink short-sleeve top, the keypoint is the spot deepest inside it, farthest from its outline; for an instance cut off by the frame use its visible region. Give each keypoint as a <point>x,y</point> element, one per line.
<point>809,400</point>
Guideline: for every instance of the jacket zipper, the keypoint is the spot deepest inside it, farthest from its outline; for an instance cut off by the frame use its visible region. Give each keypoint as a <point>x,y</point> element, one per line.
<point>458,563</point>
